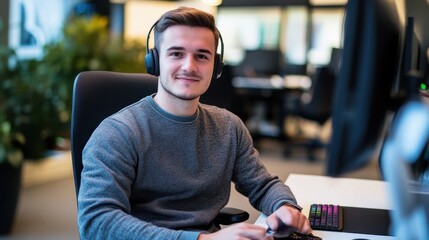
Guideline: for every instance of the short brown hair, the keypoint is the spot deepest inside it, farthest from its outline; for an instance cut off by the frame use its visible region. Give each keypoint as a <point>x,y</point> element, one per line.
<point>188,17</point>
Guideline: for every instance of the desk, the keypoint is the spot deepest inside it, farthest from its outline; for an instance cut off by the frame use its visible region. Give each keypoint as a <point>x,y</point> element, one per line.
<point>291,82</point>
<point>310,189</point>
<point>263,101</point>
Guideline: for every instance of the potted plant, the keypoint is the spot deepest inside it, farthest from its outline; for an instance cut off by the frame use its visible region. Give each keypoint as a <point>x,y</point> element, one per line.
<point>38,93</point>
<point>11,156</point>
<point>36,96</point>
<point>10,175</point>
<point>87,44</point>
<point>29,116</point>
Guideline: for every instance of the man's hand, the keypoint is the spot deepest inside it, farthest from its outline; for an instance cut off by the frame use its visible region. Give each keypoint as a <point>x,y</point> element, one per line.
<point>290,217</point>
<point>240,231</point>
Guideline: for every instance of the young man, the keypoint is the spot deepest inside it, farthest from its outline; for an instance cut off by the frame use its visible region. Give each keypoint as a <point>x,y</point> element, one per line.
<point>162,167</point>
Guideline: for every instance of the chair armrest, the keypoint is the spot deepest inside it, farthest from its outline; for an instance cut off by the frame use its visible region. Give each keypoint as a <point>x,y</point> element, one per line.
<point>229,216</point>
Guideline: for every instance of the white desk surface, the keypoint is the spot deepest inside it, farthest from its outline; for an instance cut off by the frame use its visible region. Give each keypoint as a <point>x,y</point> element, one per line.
<point>301,82</point>
<point>351,192</point>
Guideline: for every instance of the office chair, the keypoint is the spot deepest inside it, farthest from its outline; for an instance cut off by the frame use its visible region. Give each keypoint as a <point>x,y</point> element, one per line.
<point>221,92</point>
<point>314,105</point>
<point>97,95</point>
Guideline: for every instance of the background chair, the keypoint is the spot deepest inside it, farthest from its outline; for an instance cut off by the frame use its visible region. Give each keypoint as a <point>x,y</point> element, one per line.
<point>221,92</point>
<point>315,106</point>
<point>97,95</point>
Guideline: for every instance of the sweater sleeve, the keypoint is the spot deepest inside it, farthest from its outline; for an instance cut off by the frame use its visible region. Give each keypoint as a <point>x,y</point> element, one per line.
<point>104,210</point>
<point>265,191</point>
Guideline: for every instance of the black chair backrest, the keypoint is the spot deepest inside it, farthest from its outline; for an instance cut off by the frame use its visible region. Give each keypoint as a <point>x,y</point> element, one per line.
<point>221,91</point>
<point>320,107</point>
<point>97,95</point>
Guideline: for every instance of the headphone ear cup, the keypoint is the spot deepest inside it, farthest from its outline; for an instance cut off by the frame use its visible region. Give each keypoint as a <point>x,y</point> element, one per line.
<point>152,62</point>
<point>218,65</point>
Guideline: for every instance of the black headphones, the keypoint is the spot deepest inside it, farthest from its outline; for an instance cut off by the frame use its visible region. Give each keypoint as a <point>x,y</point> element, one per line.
<point>152,58</point>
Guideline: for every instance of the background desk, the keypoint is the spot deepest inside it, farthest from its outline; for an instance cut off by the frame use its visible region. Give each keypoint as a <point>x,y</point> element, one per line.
<point>262,102</point>
<point>310,189</point>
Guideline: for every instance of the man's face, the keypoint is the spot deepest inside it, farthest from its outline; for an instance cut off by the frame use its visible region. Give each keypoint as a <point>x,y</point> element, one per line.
<point>186,60</point>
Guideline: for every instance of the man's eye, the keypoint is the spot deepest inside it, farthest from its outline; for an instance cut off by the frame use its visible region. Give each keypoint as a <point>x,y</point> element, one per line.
<point>176,54</point>
<point>202,56</point>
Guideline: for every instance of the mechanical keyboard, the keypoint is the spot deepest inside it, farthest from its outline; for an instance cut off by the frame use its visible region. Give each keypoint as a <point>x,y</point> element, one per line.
<point>326,217</point>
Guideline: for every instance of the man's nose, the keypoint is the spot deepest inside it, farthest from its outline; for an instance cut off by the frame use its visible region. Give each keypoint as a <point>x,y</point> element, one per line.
<point>189,63</point>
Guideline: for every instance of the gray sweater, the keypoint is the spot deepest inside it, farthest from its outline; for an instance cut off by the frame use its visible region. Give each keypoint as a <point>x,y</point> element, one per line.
<point>151,175</point>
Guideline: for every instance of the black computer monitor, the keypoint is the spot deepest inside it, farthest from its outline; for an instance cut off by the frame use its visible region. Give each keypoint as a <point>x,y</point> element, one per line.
<point>409,79</point>
<point>419,11</point>
<point>414,71</point>
<point>261,62</point>
<point>371,50</point>
<point>410,60</point>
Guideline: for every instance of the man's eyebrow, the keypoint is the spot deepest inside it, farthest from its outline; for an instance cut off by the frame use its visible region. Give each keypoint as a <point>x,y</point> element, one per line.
<point>205,51</point>
<point>202,50</point>
<point>174,48</point>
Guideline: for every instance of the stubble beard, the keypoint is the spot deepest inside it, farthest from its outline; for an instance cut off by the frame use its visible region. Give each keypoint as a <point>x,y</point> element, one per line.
<point>181,97</point>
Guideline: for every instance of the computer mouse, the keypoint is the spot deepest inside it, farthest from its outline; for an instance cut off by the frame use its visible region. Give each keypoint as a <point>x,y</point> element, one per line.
<point>282,231</point>
<point>299,236</point>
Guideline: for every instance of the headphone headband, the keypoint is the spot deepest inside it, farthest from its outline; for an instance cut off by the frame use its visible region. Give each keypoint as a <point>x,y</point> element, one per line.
<point>148,36</point>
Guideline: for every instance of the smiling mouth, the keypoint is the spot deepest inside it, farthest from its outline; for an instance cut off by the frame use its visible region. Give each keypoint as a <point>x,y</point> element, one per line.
<point>188,78</point>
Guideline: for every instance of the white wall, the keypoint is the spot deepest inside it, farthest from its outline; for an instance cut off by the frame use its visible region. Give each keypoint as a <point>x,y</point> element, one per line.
<point>141,15</point>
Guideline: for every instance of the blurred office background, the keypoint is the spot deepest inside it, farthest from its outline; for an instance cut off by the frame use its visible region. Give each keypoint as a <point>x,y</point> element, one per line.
<point>275,53</point>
